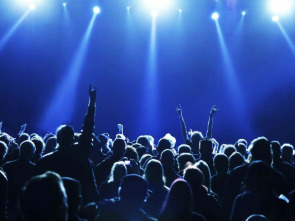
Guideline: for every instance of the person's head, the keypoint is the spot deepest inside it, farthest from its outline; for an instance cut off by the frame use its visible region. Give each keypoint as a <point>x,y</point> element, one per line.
<point>194,176</point>
<point>3,150</point>
<point>131,153</point>
<point>196,137</point>
<point>221,163</point>
<point>243,141</point>
<point>23,137</point>
<point>287,152</point>
<point>241,148</point>
<point>229,150</point>
<point>118,171</point>
<point>133,190</point>
<point>184,148</point>
<point>119,147</point>
<point>167,158</point>
<point>50,144</point>
<point>154,173</point>
<point>206,147</point>
<point>146,141</point>
<point>258,178</point>
<point>179,199</point>
<point>203,166</point>
<point>39,144</point>
<point>65,135</point>
<point>144,159</point>
<point>276,149</point>
<point>164,144</point>
<point>141,150</point>
<point>73,190</point>
<point>27,150</point>
<point>103,139</point>
<point>256,217</point>
<point>260,150</point>
<point>235,160</point>
<point>43,197</point>
<point>184,160</point>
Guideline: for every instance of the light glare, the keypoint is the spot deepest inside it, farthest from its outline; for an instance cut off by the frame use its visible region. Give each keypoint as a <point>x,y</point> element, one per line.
<point>281,7</point>
<point>275,18</point>
<point>32,6</point>
<point>64,4</point>
<point>96,10</point>
<point>215,16</point>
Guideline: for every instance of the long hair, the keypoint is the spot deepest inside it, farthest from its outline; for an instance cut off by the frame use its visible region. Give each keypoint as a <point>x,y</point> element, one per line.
<point>154,173</point>
<point>118,171</point>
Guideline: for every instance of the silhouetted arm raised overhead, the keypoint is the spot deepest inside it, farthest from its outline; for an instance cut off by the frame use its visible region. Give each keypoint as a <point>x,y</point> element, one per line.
<point>210,122</point>
<point>88,125</point>
<point>183,126</point>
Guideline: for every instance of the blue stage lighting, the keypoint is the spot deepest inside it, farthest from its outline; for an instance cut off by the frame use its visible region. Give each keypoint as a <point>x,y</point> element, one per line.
<point>64,4</point>
<point>154,13</point>
<point>158,5</point>
<point>275,18</point>
<point>96,10</point>
<point>281,7</point>
<point>32,6</point>
<point>244,13</point>
<point>180,10</point>
<point>215,16</point>
<point>128,8</point>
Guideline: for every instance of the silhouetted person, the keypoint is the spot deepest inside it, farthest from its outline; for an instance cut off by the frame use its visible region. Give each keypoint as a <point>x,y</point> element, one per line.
<point>184,148</point>
<point>235,160</point>
<point>203,166</point>
<point>164,144</point>
<point>179,203</point>
<point>74,198</point>
<point>206,148</point>
<point>51,144</point>
<point>40,146</point>
<point>229,150</point>
<point>154,174</point>
<point>3,196</point>
<point>256,217</point>
<point>183,161</point>
<point>18,172</point>
<point>132,194</point>
<point>221,176</point>
<point>168,163</point>
<point>110,188</point>
<point>259,197</point>
<point>287,153</point>
<point>3,152</point>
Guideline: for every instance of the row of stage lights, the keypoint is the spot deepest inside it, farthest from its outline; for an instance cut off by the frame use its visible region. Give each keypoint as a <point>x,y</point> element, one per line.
<point>215,15</point>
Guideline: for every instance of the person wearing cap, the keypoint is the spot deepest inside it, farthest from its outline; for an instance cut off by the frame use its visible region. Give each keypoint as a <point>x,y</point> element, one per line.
<point>133,191</point>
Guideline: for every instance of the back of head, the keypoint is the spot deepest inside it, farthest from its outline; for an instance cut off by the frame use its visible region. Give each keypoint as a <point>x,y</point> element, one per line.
<point>287,152</point>
<point>203,166</point>
<point>256,217</point>
<point>118,171</point>
<point>119,147</point>
<point>258,178</point>
<point>184,148</point>
<point>221,163</point>
<point>27,150</point>
<point>65,135</point>
<point>146,141</point>
<point>154,173</point>
<point>242,141</point>
<point>229,150</point>
<point>39,144</point>
<point>184,160</point>
<point>133,190</point>
<point>260,150</point>
<point>50,144</point>
<point>3,150</point>
<point>131,153</point>
<point>23,137</point>
<point>241,148</point>
<point>235,160</point>
<point>164,144</point>
<point>144,159</point>
<point>73,191</point>
<point>43,198</point>
<point>194,176</point>
<point>167,158</point>
<point>206,146</point>
<point>196,137</point>
<point>276,149</point>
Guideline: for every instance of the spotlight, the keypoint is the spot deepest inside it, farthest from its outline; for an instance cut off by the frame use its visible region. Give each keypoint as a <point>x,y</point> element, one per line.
<point>244,13</point>
<point>215,16</point>
<point>275,18</point>
<point>128,8</point>
<point>281,6</point>
<point>180,10</point>
<point>159,5</point>
<point>64,4</point>
<point>96,10</point>
<point>154,13</point>
<point>32,6</point>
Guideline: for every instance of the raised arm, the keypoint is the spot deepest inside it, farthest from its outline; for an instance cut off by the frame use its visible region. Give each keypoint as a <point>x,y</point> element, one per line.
<point>210,122</point>
<point>120,128</point>
<point>88,125</point>
<point>182,123</point>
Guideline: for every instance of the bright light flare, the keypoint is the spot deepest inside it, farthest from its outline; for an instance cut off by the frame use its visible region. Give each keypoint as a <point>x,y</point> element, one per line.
<point>154,13</point>
<point>64,4</point>
<point>96,10</point>
<point>215,16</point>
<point>128,8</point>
<point>275,18</point>
<point>32,6</point>
<point>281,7</point>
<point>158,5</point>
<point>180,10</point>
<point>244,13</point>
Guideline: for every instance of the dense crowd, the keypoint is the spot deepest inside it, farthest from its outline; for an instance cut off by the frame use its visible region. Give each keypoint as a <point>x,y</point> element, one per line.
<point>82,176</point>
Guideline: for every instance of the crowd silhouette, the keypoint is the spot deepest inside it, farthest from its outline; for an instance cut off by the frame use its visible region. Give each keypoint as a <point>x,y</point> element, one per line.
<point>84,176</point>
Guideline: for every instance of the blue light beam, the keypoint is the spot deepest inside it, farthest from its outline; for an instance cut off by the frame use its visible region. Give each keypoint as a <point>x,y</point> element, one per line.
<point>62,106</point>
<point>12,30</point>
<point>287,38</point>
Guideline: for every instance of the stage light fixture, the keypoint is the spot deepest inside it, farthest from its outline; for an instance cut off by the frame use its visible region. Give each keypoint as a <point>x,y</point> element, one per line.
<point>32,6</point>
<point>154,13</point>
<point>128,8</point>
<point>158,5</point>
<point>64,4</point>
<point>275,18</point>
<point>281,7</point>
<point>244,13</point>
<point>96,10</point>
<point>215,16</point>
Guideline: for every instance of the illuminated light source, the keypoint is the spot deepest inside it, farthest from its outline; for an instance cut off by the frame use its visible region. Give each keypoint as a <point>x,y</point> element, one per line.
<point>281,7</point>
<point>275,18</point>
<point>128,8</point>
<point>244,13</point>
<point>96,10</point>
<point>158,5</point>
<point>180,10</point>
<point>215,16</point>
<point>64,4</point>
<point>154,13</point>
<point>32,6</point>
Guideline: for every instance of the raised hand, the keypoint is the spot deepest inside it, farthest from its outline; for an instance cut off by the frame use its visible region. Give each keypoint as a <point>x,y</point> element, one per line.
<point>179,109</point>
<point>213,110</point>
<point>120,128</point>
<point>92,94</point>
<point>22,129</point>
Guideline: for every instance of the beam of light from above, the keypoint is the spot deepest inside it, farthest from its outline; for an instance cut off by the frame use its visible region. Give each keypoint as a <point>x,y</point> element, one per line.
<point>233,83</point>
<point>11,31</point>
<point>62,106</point>
<point>215,16</point>
<point>287,38</point>
<point>281,7</point>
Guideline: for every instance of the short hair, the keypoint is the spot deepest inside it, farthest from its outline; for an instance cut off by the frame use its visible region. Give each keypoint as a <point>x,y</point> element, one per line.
<point>221,162</point>
<point>260,150</point>
<point>65,135</point>
<point>196,136</point>
<point>287,151</point>
<point>241,148</point>
<point>276,149</point>
<point>235,160</point>
<point>27,150</point>
<point>144,158</point>
<point>118,171</point>
<point>23,137</point>
<point>184,159</point>
<point>194,176</point>
<point>43,198</point>
<point>3,150</point>
<point>229,150</point>
<point>119,146</point>
<point>243,141</point>
<point>145,140</point>
<point>163,144</point>
<point>167,158</point>
<point>184,148</point>
<point>206,146</point>
<point>131,153</point>
<point>40,146</point>
<point>154,173</point>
